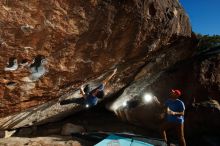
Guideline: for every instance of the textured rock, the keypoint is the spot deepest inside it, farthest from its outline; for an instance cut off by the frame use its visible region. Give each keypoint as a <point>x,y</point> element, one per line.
<point>27,131</point>
<point>69,129</point>
<point>6,134</point>
<point>203,120</point>
<point>40,141</point>
<point>60,45</point>
<point>2,133</point>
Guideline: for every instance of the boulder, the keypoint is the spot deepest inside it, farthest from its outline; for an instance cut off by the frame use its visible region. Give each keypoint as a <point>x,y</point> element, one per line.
<point>6,133</point>
<point>50,48</point>
<point>69,129</point>
<point>2,134</point>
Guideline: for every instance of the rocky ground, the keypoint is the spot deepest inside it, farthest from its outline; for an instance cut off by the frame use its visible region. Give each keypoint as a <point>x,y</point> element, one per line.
<point>40,141</point>
<point>100,120</point>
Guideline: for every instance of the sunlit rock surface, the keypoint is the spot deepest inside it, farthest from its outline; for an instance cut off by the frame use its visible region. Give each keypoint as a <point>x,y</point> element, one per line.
<point>62,44</point>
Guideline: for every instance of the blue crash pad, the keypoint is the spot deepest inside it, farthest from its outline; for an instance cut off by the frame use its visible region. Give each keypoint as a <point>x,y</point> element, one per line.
<point>140,143</point>
<point>114,140</point>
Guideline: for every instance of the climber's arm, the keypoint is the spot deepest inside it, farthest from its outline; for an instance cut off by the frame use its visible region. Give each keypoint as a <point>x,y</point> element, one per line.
<point>109,77</point>
<point>82,92</point>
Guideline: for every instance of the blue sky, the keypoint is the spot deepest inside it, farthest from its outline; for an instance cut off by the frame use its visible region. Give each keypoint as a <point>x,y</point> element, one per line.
<point>204,15</point>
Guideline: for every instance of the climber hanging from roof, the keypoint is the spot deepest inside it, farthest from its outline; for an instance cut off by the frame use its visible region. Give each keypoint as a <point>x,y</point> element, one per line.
<point>90,97</point>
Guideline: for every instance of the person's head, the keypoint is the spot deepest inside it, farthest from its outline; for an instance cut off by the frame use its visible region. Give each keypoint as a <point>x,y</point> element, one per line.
<point>87,89</point>
<point>175,93</point>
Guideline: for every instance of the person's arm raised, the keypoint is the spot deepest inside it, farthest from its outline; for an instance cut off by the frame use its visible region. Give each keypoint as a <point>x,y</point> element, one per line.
<point>157,101</point>
<point>160,105</point>
<point>82,92</point>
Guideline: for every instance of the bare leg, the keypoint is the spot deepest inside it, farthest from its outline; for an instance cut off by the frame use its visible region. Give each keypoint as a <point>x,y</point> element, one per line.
<point>164,127</point>
<point>180,132</point>
<point>163,132</point>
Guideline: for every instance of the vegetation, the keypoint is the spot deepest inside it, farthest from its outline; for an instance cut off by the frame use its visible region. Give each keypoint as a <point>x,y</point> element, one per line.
<point>208,42</point>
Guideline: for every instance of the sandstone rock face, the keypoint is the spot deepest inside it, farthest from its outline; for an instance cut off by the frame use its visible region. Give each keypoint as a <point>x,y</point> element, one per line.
<point>69,129</point>
<point>40,141</point>
<point>6,134</point>
<point>52,47</point>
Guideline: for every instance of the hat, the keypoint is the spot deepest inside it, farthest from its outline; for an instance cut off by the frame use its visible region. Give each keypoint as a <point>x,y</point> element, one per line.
<point>176,92</point>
